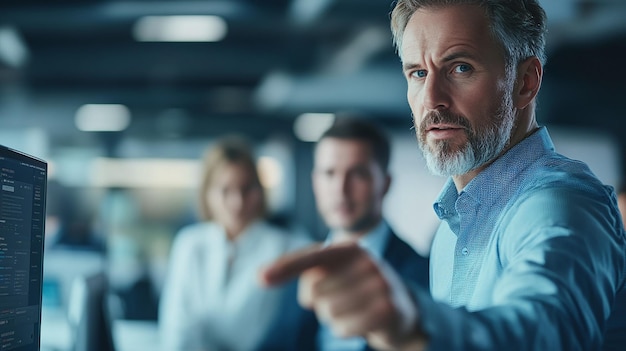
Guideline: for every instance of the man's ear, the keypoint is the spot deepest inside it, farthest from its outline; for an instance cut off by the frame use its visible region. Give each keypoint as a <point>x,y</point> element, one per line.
<point>529,74</point>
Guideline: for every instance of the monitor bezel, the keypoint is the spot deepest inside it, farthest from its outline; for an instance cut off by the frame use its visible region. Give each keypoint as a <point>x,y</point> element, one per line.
<point>38,163</point>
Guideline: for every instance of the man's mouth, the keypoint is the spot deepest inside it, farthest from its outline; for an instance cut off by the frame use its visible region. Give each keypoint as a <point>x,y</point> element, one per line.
<point>444,131</point>
<point>437,127</point>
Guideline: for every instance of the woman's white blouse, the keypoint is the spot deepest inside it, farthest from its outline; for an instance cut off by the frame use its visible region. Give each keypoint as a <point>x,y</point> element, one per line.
<point>212,299</point>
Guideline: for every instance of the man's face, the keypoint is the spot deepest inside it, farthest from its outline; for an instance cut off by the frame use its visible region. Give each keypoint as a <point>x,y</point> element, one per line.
<point>349,185</point>
<point>458,88</point>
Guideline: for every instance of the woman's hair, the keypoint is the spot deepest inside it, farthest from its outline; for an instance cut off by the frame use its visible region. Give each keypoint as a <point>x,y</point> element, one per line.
<point>518,25</point>
<point>228,150</point>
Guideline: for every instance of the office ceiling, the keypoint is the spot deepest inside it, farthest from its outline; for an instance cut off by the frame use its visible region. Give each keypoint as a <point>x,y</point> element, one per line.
<point>279,58</point>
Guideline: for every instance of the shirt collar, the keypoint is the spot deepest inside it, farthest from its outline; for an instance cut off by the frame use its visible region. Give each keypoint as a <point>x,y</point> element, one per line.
<point>373,241</point>
<point>504,170</point>
<point>248,238</point>
<point>444,205</point>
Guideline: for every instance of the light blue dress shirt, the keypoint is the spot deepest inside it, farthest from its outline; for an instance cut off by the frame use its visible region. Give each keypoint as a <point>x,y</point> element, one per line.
<point>530,255</point>
<point>374,242</point>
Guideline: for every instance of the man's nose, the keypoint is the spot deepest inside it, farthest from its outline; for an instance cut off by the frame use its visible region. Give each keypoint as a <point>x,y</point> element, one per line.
<point>342,184</point>
<point>435,94</point>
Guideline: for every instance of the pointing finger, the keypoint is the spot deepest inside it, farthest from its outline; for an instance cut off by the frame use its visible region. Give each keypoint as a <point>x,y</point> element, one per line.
<point>294,264</point>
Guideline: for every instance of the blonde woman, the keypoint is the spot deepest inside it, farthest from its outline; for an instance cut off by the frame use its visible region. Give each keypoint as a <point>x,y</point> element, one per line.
<point>212,300</point>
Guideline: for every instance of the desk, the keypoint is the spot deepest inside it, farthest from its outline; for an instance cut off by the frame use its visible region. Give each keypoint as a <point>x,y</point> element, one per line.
<point>56,334</point>
<point>136,335</point>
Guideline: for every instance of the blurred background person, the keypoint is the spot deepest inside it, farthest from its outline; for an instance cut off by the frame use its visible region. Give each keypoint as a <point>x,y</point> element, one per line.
<point>69,222</point>
<point>350,181</point>
<point>212,299</point>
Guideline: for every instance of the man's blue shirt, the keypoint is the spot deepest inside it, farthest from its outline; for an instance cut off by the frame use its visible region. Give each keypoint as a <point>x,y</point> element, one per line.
<point>531,255</point>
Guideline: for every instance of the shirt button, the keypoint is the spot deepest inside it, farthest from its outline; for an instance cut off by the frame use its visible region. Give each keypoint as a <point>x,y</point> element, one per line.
<point>465,251</point>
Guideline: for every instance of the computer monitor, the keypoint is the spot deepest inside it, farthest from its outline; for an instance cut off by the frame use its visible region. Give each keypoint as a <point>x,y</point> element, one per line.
<point>23,181</point>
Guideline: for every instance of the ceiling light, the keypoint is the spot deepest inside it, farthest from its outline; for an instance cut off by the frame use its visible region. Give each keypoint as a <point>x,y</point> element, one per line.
<point>310,126</point>
<point>274,90</point>
<point>13,50</point>
<point>102,118</point>
<point>180,28</point>
<point>307,11</point>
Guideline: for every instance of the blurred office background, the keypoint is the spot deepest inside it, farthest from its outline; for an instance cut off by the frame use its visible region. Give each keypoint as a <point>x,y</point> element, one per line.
<point>122,97</point>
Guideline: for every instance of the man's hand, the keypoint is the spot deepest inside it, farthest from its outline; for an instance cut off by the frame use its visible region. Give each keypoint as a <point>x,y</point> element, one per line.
<point>348,291</point>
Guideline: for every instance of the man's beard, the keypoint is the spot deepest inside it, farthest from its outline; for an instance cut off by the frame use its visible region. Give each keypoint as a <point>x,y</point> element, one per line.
<point>484,143</point>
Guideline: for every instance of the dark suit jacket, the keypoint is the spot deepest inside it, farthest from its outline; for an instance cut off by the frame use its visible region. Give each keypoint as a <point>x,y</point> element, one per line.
<point>295,328</point>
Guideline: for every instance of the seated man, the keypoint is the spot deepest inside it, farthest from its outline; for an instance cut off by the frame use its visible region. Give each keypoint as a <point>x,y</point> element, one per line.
<point>350,180</point>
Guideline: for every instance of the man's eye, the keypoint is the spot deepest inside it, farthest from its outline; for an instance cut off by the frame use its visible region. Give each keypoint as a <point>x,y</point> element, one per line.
<point>420,73</point>
<point>361,173</point>
<point>462,68</point>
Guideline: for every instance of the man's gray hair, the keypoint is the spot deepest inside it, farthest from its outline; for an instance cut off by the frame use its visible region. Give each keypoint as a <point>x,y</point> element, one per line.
<point>518,25</point>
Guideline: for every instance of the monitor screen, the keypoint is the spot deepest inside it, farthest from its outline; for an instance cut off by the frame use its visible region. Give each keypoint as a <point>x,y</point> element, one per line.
<point>23,180</point>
